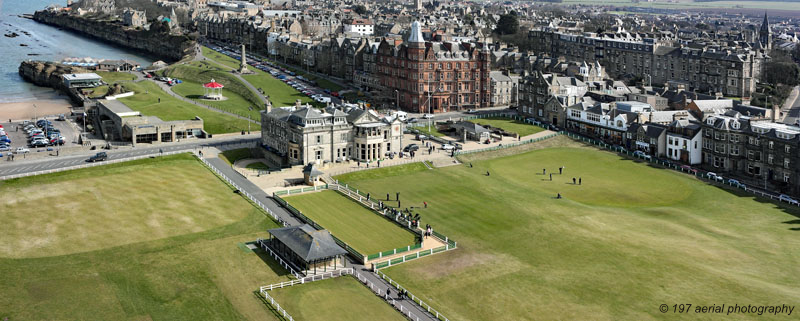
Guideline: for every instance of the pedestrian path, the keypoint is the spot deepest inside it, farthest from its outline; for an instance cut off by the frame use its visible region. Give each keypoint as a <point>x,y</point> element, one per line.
<point>376,283</point>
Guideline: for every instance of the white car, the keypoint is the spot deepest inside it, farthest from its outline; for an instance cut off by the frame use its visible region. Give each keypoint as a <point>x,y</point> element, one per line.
<point>22,150</point>
<point>448,147</point>
<point>427,116</point>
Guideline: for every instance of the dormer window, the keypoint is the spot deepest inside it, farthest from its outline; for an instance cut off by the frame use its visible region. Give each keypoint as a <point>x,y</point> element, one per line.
<point>735,125</point>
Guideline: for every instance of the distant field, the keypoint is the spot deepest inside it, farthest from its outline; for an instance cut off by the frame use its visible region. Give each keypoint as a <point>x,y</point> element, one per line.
<point>509,125</point>
<point>153,239</point>
<point>146,101</point>
<point>630,238</point>
<point>367,232</point>
<point>339,299</point>
<point>773,5</point>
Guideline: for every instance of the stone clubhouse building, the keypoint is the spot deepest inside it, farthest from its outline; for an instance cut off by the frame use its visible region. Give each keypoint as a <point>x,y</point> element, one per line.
<point>299,135</point>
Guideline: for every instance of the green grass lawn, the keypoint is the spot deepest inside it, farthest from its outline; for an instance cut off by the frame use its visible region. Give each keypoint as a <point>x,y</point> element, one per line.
<point>220,58</point>
<point>509,125</point>
<point>232,155</point>
<point>201,72</point>
<point>341,298</point>
<point>280,94</point>
<point>234,102</point>
<point>630,238</point>
<point>367,232</point>
<point>258,165</point>
<point>152,239</point>
<point>111,77</point>
<point>146,101</point>
<point>433,132</point>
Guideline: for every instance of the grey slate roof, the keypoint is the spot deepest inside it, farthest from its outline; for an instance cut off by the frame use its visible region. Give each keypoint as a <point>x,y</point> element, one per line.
<point>307,242</point>
<point>312,170</point>
<point>471,127</point>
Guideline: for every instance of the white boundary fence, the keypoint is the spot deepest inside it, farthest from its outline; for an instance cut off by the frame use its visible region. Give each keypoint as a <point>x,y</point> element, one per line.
<point>264,289</point>
<point>263,245</point>
<point>243,192</point>
<point>419,301</point>
<point>276,305</point>
<point>69,168</point>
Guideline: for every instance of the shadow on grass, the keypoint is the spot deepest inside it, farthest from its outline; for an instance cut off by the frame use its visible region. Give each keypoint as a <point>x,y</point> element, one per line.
<point>194,96</point>
<point>269,306</point>
<point>270,261</point>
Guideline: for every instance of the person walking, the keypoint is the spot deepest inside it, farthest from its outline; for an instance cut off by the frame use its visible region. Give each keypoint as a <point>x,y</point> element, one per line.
<point>560,170</point>
<point>387,196</point>
<point>558,196</point>
<point>573,181</point>
<point>388,294</point>
<point>368,196</point>
<point>579,181</point>
<point>551,177</point>
<point>426,204</point>
<point>487,173</point>
<point>544,171</point>
<point>470,165</point>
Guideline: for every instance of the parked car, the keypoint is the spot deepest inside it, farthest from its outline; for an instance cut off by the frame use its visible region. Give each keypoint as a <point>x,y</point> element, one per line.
<point>788,199</point>
<point>714,176</point>
<point>22,150</point>
<point>736,183</point>
<point>427,116</point>
<point>448,147</point>
<point>5,148</point>
<point>472,111</point>
<point>421,137</point>
<point>101,156</point>
<point>411,148</point>
<point>689,169</point>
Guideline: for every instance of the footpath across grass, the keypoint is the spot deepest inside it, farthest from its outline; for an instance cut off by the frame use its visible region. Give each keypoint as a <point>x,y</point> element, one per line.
<point>146,100</point>
<point>509,125</point>
<point>338,299</point>
<point>365,231</point>
<point>152,239</point>
<point>628,239</point>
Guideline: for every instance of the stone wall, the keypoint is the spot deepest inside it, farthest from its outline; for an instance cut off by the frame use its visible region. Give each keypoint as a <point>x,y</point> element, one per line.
<point>165,46</point>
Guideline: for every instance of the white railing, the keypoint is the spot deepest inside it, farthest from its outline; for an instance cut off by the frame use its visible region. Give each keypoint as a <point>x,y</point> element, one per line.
<point>264,289</point>
<point>276,305</point>
<point>419,301</point>
<point>69,168</point>
<point>263,245</point>
<point>368,283</point>
<point>243,192</point>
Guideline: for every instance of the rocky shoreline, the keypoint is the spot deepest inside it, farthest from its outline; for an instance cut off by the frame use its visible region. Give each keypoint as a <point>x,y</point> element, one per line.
<point>48,74</point>
<point>165,46</point>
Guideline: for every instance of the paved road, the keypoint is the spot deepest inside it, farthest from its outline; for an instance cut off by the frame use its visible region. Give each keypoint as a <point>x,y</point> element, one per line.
<point>21,165</point>
<point>791,107</point>
<point>378,283</point>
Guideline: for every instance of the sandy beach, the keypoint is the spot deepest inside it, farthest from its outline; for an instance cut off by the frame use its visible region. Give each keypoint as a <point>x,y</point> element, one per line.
<point>46,105</point>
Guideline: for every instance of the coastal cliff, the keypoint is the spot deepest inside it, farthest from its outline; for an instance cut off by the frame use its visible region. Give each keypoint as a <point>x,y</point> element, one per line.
<point>48,74</point>
<point>163,45</point>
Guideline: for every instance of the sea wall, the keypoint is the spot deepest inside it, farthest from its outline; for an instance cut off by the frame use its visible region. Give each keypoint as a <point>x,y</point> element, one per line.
<point>48,74</point>
<point>165,46</point>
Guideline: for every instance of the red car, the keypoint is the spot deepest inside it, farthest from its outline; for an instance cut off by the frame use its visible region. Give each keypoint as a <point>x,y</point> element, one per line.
<point>335,94</point>
<point>689,169</point>
<point>148,76</point>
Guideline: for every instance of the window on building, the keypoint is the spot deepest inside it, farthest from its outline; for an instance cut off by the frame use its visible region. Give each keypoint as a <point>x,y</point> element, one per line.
<point>786,177</point>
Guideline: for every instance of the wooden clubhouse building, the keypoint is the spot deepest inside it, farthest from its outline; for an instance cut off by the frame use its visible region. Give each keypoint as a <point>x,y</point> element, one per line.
<point>306,248</point>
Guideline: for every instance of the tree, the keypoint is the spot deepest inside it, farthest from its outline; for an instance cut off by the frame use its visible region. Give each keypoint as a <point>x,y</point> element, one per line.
<point>508,24</point>
<point>780,69</point>
<point>360,9</point>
